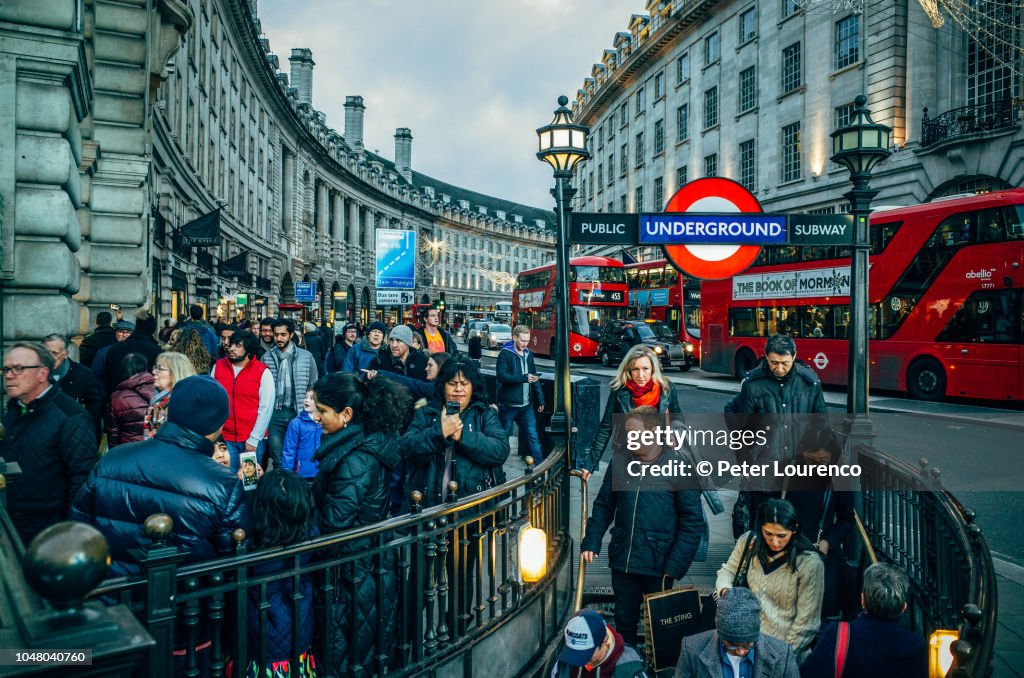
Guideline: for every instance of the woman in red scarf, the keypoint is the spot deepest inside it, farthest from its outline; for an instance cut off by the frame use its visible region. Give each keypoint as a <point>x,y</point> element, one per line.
<point>639,382</point>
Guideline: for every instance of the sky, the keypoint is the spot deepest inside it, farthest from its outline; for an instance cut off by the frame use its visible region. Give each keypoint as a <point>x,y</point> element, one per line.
<point>472,80</point>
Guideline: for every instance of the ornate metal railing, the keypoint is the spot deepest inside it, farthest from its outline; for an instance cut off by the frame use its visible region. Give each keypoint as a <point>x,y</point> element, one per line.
<point>915,524</point>
<point>968,120</point>
<point>454,569</point>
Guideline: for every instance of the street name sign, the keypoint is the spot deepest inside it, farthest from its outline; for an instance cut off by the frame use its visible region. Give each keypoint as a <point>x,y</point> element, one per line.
<point>394,297</point>
<point>305,292</point>
<point>603,229</point>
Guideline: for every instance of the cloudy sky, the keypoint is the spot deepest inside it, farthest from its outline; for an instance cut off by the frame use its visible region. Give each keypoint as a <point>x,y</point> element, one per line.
<point>472,80</point>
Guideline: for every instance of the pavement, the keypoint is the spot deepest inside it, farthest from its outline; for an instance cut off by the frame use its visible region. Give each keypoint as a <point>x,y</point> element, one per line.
<point>1009,646</point>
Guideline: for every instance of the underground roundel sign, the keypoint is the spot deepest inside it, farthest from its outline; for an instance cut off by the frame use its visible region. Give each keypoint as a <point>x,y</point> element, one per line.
<point>712,195</point>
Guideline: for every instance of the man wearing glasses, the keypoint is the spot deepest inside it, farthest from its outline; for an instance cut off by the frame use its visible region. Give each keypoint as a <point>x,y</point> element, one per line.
<point>736,648</point>
<point>781,395</point>
<point>49,435</point>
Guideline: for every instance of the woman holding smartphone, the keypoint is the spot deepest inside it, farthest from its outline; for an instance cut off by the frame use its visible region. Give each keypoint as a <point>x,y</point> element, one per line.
<point>461,441</point>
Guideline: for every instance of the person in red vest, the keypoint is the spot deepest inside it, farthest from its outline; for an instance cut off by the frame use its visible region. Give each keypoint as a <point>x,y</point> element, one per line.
<point>250,388</point>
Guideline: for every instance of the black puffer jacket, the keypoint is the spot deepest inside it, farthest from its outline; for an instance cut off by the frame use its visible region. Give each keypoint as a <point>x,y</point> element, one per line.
<point>54,442</point>
<point>658,525</point>
<point>478,458</point>
<point>414,367</point>
<point>620,401</point>
<point>781,404</point>
<point>351,490</point>
<point>134,481</point>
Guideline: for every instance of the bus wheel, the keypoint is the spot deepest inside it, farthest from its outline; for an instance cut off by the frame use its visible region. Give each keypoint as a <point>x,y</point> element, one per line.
<point>745,361</point>
<point>605,360</point>
<point>926,380</point>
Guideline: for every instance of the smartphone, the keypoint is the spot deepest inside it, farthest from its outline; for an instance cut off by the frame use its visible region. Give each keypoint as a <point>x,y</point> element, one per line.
<point>115,307</point>
<point>451,407</point>
<point>247,460</point>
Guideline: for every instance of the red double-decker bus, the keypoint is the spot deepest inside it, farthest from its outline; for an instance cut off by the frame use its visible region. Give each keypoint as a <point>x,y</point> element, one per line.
<point>597,294</point>
<point>946,287</point>
<point>658,291</point>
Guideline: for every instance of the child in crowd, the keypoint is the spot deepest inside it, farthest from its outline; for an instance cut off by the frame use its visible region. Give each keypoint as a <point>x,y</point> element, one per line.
<point>283,514</point>
<point>302,440</point>
<point>220,453</point>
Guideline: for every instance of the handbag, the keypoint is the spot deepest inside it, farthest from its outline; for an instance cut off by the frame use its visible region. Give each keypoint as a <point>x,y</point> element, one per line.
<point>842,645</point>
<point>740,580</point>
<point>669,616</point>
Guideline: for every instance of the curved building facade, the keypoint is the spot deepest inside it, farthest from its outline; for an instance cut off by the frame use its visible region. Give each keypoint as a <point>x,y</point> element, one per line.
<point>125,127</point>
<point>752,90</point>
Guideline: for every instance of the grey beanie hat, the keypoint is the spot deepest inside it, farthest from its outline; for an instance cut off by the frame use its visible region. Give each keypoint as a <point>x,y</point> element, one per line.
<point>403,334</point>
<point>738,619</point>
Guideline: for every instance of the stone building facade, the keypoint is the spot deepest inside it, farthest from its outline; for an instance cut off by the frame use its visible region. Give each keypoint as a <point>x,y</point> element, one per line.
<point>752,90</point>
<point>122,122</point>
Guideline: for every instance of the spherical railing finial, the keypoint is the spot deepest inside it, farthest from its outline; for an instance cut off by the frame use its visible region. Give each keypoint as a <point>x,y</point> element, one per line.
<point>65,562</point>
<point>238,535</point>
<point>972,614</point>
<point>563,100</point>
<point>158,526</point>
<point>3,482</point>
<point>860,100</point>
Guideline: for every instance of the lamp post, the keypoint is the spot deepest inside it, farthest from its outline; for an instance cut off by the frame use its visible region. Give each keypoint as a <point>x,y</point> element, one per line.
<point>562,144</point>
<point>859,147</point>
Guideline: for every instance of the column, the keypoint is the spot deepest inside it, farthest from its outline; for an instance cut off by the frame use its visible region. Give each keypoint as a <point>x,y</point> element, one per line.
<point>288,194</point>
<point>338,234</point>
<point>352,241</point>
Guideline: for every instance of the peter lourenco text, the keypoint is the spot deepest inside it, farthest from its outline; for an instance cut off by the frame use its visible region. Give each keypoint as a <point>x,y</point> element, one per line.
<point>724,469</point>
<point>677,438</point>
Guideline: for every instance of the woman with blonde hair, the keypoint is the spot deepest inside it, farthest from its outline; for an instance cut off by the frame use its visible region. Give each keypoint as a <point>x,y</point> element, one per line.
<point>168,369</point>
<point>639,382</point>
<point>190,343</point>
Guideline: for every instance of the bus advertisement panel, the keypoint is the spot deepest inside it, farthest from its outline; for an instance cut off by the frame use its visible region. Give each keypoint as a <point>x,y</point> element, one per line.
<point>597,294</point>
<point>946,284</point>
<point>658,291</point>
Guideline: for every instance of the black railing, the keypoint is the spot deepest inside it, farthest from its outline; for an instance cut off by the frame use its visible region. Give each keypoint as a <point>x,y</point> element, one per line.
<point>918,526</point>
<point>967,120</point>
<point>450,571</point>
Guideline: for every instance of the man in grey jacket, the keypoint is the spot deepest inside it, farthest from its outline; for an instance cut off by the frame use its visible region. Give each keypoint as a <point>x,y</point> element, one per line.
<point>294,372</point>
<point>737,648</point>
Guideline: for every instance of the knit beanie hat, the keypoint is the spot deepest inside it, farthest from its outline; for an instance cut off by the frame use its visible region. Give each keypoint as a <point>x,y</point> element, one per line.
<point>403,334</point>
<point>738,619</point>
<point>377,325</point>
<point>309,328</point>
<point>199,404</point>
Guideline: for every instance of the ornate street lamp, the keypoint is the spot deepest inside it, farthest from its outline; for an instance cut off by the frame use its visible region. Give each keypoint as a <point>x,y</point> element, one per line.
<point>562,144</point>
<point>859,147</point>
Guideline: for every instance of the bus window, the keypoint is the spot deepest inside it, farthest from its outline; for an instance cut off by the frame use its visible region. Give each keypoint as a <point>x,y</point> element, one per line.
<point>1015,223</point>
<point>991,226</point>
<point>987,317</point>
<point>743,323</point>
<point>607,274</point>
<point>882,235</point>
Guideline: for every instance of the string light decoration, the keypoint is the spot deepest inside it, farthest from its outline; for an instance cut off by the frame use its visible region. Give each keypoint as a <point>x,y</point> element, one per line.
<point>434,250</point>
<point>500,279</point>
<point>993,26</point>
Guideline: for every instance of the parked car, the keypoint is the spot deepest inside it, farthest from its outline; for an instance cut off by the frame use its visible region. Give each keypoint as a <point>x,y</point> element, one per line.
<point>618,336</point>
<point>494,335</point>
<point>473,328</point>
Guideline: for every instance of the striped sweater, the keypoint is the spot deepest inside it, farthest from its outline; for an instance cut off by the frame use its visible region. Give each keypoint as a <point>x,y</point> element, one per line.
<point>790,601</point>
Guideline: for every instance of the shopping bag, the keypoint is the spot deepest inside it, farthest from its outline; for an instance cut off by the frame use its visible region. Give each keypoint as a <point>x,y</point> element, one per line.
<point>669,616</point>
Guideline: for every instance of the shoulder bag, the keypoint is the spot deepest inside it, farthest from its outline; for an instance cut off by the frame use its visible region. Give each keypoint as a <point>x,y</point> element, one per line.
<point>740,580</point>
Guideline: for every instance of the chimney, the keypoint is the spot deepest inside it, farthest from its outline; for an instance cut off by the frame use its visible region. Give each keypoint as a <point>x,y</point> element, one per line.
<point>302,74</point>
<point>403,153</point>
<point>354,110</point>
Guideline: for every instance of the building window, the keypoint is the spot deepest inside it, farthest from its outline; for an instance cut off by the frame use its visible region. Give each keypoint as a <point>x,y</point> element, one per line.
<point>659,85</point>
<point>791,152</point>
<point>624,159</point>
<point>623,204</point>
<point>791,68</point>
<point>847,41</point>
<point>683,67</point>
<point>659,193</point>
<point>711,107</point>
<point>641,101</point>
<point>611,206</point>
<point>639,150</point>
<point>611,168</point>
<point>748,25</point>
<point>843,115</point>
<point>789,7</point>
<point>711,165</point>
<point>748,89</point>
<point>659,137</point>
<point>624,115</point>
<point>600,135</point>
<point>600,176</point>
<point>638,203</point>
<point>994,53</point>
<point>748,164</point>
<point>683,122</point>
<point>711,49</point>
<point>680,177</point>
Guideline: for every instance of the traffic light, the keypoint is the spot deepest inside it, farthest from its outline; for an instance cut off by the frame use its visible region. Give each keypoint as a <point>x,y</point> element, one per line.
<point>440,303</point>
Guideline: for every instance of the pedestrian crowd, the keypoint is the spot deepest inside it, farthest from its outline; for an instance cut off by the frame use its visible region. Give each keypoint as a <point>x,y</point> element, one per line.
<point>338,432</point>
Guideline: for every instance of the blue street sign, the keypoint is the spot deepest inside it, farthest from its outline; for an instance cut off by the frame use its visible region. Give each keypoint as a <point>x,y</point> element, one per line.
<point>396,259</point>
<point>305,292</point>
<point>712,229</point>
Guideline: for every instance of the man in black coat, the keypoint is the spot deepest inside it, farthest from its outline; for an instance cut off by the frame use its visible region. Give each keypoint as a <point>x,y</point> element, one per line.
<point>659,522</point>
<point>315,344</point>
<point>134,481</point>
<point>103,336</point>
<point>75,379</point>
<point>519,392</point>
<point>141,341</point>
<point>401,357</point>
<point>49,435</point>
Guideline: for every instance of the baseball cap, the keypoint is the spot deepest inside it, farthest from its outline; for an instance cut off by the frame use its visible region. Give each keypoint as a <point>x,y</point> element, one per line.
<point>584,633</point>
